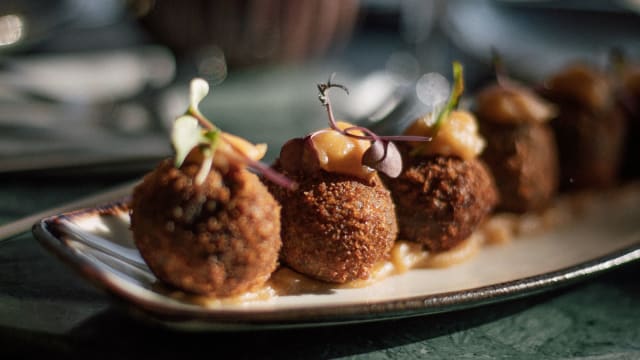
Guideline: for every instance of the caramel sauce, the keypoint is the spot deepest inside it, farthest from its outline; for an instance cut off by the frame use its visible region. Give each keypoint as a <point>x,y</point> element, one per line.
<point>405,255</point>
<point>458,136</point>
<point>502,228</point>
<point>499,229</point>
<point>342,154</point>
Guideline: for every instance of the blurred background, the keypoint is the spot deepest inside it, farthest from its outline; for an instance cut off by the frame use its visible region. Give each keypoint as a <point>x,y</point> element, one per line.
<point>90,87</point>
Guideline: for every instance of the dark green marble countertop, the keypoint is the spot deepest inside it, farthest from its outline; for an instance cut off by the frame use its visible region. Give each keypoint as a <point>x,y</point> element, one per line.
<point>45,308</point>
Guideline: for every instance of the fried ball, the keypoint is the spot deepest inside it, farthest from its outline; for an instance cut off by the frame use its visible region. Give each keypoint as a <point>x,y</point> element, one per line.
<point>440,200</point>
<point>523,160</point>
<point>220,238</point>
<point>590,146</point>
<point>521,150</point>
<point>590,127</point>
<point>335,227</point>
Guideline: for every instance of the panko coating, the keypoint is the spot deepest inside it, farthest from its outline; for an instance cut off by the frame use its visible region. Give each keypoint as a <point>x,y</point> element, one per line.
<point>521,149</point>
<point>590,127</point>
<point>440,200</point>
<point>335,227</point>
<point>524,163</point>
<point>219,238</point>
<point>590,146</point>
<point>340,222</point>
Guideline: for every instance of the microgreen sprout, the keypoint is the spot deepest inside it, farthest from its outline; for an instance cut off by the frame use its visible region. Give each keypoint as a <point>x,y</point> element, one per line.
<point>383,154</point>
<point>499,68</point>
<point>193,130</point>
<point>454,98</point>
<point>323,88</point>
<point>443,115</point>
<point>502,75</point>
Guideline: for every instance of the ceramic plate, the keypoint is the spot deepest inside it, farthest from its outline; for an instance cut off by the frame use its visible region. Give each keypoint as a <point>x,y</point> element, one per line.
<point>98,244</point>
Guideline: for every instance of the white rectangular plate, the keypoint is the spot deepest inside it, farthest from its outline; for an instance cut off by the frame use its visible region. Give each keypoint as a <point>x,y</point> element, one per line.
<point>98,244</point>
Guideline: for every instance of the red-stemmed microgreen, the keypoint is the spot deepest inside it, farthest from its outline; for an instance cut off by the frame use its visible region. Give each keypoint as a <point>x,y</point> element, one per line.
<point>502,75</point>
<point>382,155</point>
<point>500,70</point>
<point>193,130</point>
<point>267,171</point>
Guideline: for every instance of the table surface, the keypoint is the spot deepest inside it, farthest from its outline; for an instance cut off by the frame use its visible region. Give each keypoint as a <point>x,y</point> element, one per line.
<point>45,307</point>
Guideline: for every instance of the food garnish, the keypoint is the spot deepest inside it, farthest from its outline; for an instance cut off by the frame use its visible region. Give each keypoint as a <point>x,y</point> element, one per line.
<point>453,132</point>
<point>351,149</point>
<point>194,130</point>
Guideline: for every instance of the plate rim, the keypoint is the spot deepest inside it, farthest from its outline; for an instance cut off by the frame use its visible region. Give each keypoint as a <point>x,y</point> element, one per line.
<point>47,233</point>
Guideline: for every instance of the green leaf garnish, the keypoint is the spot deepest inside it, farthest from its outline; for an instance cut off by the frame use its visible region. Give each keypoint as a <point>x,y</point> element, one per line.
<point>213,137</point>
<point>198,89</point>
<point>443,115</point>
<point>193,130</point>
<point>454,98</point>
<point>185,135</point>
<point>205,167</point>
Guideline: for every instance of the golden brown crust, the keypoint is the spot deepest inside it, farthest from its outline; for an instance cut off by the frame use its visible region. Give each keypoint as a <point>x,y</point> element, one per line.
<point>335,227</point>
<point>590,146</point>
<point>221,238</point>
<point>590,127</point>
<point>523,160</point>
<point>440,200</point>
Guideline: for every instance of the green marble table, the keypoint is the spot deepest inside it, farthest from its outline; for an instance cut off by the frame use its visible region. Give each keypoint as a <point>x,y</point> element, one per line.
<point>45,308</point>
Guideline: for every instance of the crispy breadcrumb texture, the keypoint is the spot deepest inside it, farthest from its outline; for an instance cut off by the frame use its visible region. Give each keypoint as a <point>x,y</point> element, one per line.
<point>335,228</point>
<point>441,200</point>
<point>221,238</point>
<point>523,160</point>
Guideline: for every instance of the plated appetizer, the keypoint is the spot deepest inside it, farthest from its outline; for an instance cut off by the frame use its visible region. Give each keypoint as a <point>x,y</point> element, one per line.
<point>340,222</point>
<point>342,202</point>
<point>444,191</point>
<point>202,221</point>
<point>521,149</point>
<point>589,129</point>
